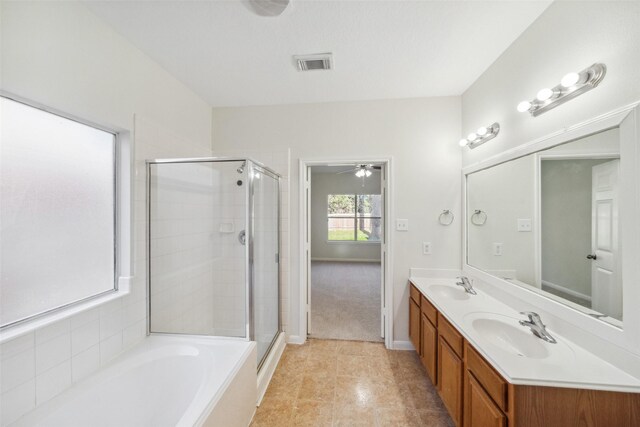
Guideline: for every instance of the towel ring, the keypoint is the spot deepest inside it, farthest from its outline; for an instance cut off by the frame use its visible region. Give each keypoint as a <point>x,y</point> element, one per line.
<point>442,218</point>
<point>478,217</point>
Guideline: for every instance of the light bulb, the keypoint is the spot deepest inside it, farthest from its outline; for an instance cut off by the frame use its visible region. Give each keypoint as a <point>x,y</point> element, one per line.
<point>472,136</point>
<point>367,173</point>
<point>544,94</point>
<point>482,131</point>
<point>463,142</point>
<point>360,173</point>
<point>524,106</point>
<point>570,79</point>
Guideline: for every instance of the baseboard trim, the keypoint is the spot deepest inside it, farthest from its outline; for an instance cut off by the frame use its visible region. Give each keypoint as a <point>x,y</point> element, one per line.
<point>296,339</point>
<point>377,261</point>
<point>403,345</point>
<point>566,290</point>
<point>269,367</point>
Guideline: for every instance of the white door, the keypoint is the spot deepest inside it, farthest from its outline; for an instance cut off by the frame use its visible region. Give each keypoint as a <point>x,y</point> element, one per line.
<point>307,242</point>
<point>606,281</point>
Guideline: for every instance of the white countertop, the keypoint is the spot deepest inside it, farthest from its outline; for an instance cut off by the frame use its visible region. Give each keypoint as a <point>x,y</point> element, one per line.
<point>567,365</point>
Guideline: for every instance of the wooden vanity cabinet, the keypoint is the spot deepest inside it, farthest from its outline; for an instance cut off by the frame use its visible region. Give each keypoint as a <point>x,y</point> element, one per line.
<point>429,338</point>
<point>450,369</point>
<point>476,395</point>
<point>479,409</point>
<point>415,320</point>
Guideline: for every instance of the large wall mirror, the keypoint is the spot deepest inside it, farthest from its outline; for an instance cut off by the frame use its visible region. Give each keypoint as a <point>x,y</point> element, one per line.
<point>550,221</point>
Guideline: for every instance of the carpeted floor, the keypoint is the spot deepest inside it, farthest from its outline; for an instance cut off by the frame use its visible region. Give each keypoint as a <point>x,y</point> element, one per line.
<point>345,300</point>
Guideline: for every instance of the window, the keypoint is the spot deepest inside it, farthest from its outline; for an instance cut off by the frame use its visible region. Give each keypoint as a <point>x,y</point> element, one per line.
<point>354,217</point>
<point>57,212</point>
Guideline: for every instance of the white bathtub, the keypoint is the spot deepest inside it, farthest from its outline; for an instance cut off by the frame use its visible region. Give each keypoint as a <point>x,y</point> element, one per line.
<point>163,381</point>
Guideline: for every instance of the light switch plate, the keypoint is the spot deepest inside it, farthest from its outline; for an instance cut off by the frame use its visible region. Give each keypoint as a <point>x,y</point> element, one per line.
<point>402,225</point>
<point>524,225</point>
<point>497,249</point>
<point>426,248</point>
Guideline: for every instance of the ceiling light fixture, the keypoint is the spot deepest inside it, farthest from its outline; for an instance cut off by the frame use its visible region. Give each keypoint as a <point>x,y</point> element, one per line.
<point>572,85</point>
<point>479,137</point>
<point>363,172</point>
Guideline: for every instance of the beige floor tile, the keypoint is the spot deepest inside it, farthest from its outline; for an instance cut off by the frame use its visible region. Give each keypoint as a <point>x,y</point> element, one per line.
<point>355,391</point>
<point>312,413</point>
<point>350,383</point>
<point>398,417</point>
<point>354,366</point>
<point>323,346</point>
<point>354,348</point>
<point>317,388</point>
<point>273,413</point>
<point>353,415</point>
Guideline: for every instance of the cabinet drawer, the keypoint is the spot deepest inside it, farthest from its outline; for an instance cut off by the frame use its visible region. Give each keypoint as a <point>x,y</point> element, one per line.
<point>415,294</point>
<point>450,334</point>
<point>429,310</point>
<point>493,383</point>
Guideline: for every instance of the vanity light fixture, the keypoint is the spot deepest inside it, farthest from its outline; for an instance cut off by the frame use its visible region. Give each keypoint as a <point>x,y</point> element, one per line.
<point>480,136</point>
<point>572,85</point>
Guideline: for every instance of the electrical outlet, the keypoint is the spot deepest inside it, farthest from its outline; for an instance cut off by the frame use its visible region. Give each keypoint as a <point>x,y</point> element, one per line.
<point>402,225</point>
<point>426,248</point>
<point>524,225</point>
<point>497,249</point>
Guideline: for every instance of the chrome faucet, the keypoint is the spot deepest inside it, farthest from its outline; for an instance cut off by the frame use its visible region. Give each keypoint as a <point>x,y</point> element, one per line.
<point>537,327</point>
<point>466,284</point>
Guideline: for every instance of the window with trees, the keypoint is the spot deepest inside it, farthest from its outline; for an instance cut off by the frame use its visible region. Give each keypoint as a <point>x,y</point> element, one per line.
<point>354,217</point>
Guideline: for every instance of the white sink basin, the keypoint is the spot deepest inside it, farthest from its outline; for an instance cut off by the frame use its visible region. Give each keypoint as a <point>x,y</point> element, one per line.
<point>449,292</point>
<point>506,335</point>
<point>510,339</point>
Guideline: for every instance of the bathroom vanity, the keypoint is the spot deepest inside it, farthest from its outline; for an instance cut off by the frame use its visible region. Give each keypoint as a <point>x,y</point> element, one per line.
<point>490,371</point>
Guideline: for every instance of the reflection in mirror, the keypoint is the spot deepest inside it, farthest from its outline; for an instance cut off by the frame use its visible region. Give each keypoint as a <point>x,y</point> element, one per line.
<point>552,223</point>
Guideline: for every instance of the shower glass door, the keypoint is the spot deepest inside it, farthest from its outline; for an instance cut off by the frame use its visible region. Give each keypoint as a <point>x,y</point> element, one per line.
<point>265,261</point>
<point>197,219</point>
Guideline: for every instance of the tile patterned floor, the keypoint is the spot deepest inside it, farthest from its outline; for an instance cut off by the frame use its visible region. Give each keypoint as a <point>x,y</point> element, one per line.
<point>350,383</point>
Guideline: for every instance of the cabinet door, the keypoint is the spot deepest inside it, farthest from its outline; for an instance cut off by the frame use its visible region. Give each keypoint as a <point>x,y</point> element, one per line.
<point>479,409</point>
<point>414,325</point>
<point>429,348</point>
<point>450,380</point>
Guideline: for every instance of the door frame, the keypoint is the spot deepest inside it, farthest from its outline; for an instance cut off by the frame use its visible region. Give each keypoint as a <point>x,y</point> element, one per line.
<point>386,260</point>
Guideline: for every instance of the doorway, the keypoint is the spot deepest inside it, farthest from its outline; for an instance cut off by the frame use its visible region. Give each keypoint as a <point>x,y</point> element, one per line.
<point>578,230</point>
<point>345,250</point>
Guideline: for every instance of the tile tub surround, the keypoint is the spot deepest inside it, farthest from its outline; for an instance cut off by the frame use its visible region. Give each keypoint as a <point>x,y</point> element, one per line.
<point>583,370</point>
<point>350,383</point>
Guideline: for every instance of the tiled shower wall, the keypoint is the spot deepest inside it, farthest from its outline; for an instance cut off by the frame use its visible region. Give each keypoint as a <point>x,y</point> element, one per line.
<point>39,365</point>
<point>198,209</point>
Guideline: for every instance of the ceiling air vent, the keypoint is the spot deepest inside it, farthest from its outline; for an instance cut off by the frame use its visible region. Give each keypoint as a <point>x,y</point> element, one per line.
<point>319,61</point>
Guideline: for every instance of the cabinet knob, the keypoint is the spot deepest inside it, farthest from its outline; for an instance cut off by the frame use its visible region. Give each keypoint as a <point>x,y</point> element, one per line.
<point>592,256</point>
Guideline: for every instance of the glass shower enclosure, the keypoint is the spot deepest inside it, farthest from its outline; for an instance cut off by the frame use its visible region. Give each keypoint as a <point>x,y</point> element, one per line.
<point>213,249</point>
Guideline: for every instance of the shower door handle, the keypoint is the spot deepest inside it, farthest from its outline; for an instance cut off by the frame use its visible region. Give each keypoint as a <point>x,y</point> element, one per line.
<point>242,237</point>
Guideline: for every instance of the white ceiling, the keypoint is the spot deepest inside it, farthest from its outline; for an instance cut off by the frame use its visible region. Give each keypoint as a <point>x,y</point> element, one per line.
<point>381,49</point>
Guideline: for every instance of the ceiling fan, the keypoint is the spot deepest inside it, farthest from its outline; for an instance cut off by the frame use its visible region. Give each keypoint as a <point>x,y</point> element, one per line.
<point>362,171</point>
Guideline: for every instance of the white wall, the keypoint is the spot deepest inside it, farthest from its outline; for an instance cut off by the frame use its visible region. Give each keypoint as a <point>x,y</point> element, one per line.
<point>323,184</point>
<point>417,133</point>
<point>60,55</point>
<point>568,36</point>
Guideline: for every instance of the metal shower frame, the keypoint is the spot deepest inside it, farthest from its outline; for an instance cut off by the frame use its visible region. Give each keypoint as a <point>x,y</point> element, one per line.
<point>251,166</point>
